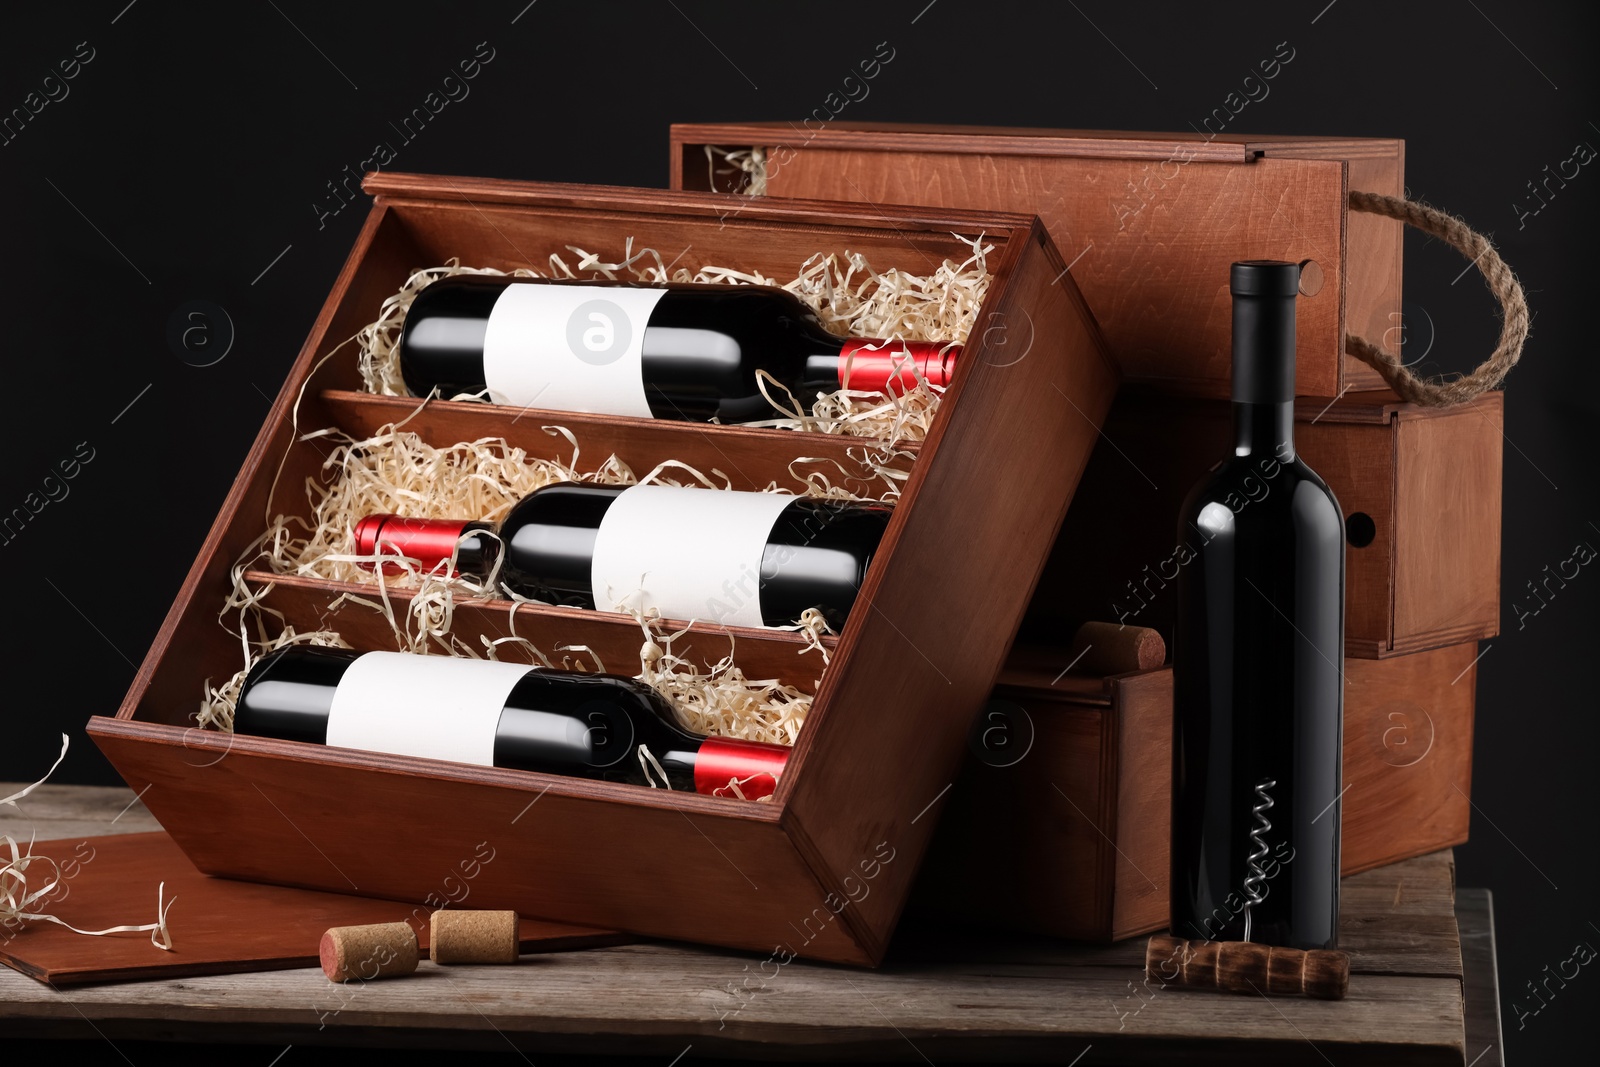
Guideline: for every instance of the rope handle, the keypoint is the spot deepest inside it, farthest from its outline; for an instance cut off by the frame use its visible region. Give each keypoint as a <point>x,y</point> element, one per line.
<point>1440,392</point>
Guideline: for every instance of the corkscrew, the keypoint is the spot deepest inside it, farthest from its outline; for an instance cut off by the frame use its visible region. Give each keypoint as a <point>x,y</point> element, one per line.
<point>1254,881</point>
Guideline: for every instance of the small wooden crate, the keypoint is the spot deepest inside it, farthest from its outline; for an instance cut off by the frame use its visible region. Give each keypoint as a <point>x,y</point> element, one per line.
<point>1149,221</point>
<point>823,869</point>
<point>1071,839</point>
<point>1419,488</point>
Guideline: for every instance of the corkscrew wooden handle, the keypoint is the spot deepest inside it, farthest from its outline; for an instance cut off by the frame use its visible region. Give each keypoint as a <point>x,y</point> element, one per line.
<point>1247,967</point>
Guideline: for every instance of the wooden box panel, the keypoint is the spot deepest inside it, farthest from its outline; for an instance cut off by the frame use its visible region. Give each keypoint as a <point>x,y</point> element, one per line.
<point>1072,839</point>
<point>825,867</point>
<point>1150,223</point>
<point>1422,483</point>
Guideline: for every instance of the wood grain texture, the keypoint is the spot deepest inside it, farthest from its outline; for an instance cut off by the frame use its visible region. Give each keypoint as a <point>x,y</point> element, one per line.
<point>1407,754</point>
<point>218,926</point>
<point>1155,261</point>
<point>1447,512</point>
<point>1073,840</point>
<point>1428,480</point>
<point>1359,464</point>
<point>1142,711</point>
<point>984,528</point>
<point>944,995</point>
<point>1373,245</point>
<point>903,679</point>
<point>1189,203</point>
<point>752,459</point>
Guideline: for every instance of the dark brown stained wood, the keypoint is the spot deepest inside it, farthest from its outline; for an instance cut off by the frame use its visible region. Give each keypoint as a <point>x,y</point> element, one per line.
<point>942,627</point>
<point>1156,217</point>
<point>218,926</point>
<point>1140,857</point>
<point>349,821</point>
<point>1424,483</point>
<point>1073,839</point>
<point>752,459</point>
<point>615,638</point>
<point>953,996</point>
<point>824,867</point>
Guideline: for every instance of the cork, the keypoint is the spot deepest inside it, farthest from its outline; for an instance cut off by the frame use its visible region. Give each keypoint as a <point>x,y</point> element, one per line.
<point>362,953</point>
<point>1106,648</point>
<point>1247,967</point>
<point>473,937</point>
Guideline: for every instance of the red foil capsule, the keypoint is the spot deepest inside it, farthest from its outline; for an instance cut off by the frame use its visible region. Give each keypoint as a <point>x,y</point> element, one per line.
<point>754,765</point>
<point>428,541</point>
<point>894,366</point>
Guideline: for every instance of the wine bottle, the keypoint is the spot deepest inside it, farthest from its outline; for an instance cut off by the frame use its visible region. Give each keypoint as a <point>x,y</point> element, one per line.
<point>735,558</point>
<point>1258,657</point>
<point>494,714</point>
<point>679,351</point>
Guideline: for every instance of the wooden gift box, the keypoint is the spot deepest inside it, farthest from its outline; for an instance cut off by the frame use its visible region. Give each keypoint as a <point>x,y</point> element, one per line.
<point>1150,222</point>
<point>1419,488</point>
<point>1071,839</point>
<point>823,869</point>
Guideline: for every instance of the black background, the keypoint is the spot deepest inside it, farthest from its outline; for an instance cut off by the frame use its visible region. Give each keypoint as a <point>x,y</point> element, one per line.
<point>186,161</point>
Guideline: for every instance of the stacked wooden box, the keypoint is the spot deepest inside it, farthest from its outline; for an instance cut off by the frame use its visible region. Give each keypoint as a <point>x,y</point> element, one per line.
<point>1071,837</point>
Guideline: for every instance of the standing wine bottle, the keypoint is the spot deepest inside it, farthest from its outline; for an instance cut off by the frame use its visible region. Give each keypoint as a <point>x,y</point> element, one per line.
<point>494,714</point>
<point>1258,660</point>
<point>740,559</point>
<point>679,351</point>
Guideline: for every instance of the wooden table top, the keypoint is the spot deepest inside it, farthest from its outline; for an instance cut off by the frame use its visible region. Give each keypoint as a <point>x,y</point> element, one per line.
<point>943,994</point>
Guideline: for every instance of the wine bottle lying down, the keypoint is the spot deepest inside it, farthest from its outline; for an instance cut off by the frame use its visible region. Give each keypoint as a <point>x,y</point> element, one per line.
<point>679,351</point>
<point>734,558</point>
<point>495,714</point>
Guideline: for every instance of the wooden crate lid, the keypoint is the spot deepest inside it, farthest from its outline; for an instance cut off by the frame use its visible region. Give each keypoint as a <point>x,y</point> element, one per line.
<point>1034,141</point>
<point>1149,221</point>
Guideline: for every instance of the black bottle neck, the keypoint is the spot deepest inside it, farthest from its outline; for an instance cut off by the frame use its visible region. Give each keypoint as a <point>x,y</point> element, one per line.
<point>1263,357</point>
<point>1265,430</point>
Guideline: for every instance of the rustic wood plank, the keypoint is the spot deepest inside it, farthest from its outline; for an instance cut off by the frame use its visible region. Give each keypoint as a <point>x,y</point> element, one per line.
<point>52,812</point>
<point>659,999</point>
<point>954,995</point>
<point>1481,978</point>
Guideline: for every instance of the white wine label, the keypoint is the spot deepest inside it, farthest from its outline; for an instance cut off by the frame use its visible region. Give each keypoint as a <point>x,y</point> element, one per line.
<point>685,553</point>
<point>437,707</point>
<point>569,348</point>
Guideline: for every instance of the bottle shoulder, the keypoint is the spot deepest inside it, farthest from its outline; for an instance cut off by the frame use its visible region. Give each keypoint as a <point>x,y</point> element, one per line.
<point>1260,489</point>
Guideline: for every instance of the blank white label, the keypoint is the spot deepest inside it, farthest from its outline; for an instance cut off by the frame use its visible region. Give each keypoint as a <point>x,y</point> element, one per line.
<point>437,707</point>
<point>569,347</point>
<point>685,553</point>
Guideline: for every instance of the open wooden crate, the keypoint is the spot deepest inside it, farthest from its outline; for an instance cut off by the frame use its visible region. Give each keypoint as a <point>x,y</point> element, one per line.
<point>823,869</point>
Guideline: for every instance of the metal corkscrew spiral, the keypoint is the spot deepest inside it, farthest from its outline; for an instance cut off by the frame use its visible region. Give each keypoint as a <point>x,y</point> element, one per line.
<point>1254,889</point>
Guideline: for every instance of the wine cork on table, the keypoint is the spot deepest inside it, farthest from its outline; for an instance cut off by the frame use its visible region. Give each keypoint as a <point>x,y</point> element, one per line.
<point>1107,648</point>
<point>362,953</point>
<point>1247,967</point>
<point>473,937</point>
